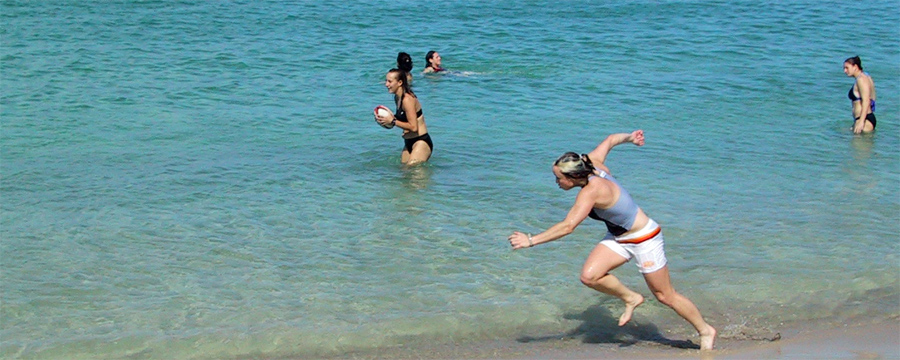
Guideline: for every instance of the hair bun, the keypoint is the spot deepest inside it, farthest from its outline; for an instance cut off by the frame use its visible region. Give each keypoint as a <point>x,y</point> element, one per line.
<point>404,62</point>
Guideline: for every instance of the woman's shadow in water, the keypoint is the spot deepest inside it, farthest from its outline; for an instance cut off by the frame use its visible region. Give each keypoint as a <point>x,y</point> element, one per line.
<point>600,326</point>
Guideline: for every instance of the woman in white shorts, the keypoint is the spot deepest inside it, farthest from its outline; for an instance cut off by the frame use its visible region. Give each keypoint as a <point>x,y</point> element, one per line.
<point>632,234</point>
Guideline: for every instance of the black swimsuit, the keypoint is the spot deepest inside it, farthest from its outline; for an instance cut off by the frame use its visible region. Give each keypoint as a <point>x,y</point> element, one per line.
<point>408,143</point>
<point>400,114</point>
<point>870,116</point>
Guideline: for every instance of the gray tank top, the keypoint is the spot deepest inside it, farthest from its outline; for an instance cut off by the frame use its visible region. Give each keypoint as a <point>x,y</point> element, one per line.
<point>620,217</point>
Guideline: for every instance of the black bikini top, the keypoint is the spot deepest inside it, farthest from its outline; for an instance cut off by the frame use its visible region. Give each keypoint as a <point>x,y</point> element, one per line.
<point>400,114</point>
<point>852,96</point>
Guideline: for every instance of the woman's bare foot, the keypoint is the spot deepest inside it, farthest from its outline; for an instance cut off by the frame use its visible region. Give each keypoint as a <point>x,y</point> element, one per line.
<point>707,338</point>
<point>632,303</point>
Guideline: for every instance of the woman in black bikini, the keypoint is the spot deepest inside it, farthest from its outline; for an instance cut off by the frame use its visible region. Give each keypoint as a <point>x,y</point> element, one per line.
<point>862,96</point>
<point>417,145</point>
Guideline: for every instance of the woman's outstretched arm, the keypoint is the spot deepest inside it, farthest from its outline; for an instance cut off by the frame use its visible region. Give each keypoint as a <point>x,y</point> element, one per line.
<point>598,155</point>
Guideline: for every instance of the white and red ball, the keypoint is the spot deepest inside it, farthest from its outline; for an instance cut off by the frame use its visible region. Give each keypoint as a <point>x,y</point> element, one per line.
<point>382,110</point>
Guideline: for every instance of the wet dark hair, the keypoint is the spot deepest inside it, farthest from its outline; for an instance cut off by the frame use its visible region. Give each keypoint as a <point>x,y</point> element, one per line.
<point>404,62</point>
<point>401,75</point>
<point>428,57</point>
<point>855,61</point>
<point>575,166</point>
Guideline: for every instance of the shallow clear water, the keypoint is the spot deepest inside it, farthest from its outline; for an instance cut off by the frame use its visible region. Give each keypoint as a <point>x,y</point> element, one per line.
<point>204,179</point>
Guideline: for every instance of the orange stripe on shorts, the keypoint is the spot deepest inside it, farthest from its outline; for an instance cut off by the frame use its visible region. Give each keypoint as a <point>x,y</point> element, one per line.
<point>641,239</point>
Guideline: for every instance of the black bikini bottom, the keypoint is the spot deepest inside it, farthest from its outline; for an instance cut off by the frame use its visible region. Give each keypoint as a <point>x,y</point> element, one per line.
<point>408,143</point>
<point>871,118</point>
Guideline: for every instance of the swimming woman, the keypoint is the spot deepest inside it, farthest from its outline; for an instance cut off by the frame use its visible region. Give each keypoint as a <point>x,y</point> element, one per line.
<point>417,145</point>
<point>631,234</point>
<point>432,62</point>
<point>862,96</point>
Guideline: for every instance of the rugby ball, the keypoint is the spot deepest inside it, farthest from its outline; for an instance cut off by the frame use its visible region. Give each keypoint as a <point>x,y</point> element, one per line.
<point>382,110</point>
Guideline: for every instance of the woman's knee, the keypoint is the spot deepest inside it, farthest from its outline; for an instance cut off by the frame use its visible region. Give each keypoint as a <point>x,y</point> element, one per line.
<point>599,263</point>
<point>666,298</point>
<point>590,278</point>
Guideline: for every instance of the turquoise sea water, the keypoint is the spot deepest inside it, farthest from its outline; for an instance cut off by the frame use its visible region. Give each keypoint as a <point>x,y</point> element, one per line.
<point>198,180</point>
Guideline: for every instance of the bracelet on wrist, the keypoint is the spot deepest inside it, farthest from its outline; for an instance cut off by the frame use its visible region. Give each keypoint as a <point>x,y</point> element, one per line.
<point>530,244</point>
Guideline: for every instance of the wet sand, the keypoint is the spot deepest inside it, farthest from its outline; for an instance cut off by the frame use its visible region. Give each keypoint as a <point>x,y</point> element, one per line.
<point>853,341</point>
<point>871,341</point>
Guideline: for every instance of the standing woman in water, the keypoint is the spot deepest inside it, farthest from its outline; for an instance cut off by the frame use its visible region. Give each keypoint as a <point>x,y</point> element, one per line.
<point>862,96</point>
<point>417,145</point>
<point>631,235</point>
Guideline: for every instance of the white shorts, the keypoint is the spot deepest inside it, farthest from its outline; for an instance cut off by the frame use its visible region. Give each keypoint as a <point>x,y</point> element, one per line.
<point>649,254</point>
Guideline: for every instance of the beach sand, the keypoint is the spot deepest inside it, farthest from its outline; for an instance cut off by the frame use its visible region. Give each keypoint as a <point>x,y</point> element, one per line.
<point>879,340</point>
<point>870,341</point>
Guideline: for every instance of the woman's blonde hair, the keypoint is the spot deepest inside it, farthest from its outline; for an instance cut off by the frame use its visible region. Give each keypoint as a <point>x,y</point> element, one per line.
<point>575,166</point>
